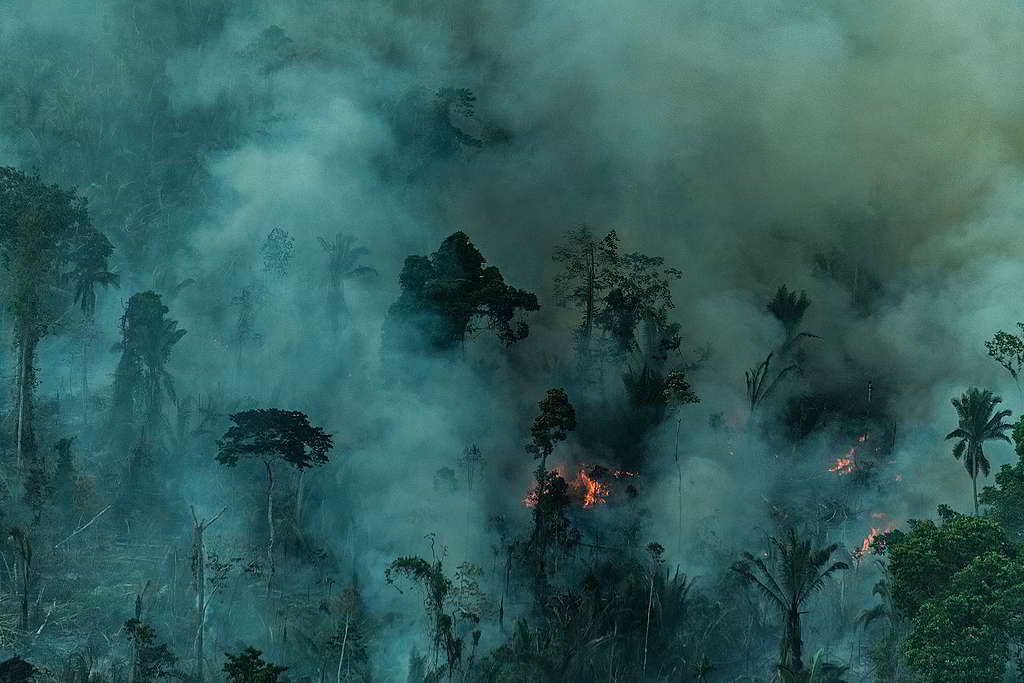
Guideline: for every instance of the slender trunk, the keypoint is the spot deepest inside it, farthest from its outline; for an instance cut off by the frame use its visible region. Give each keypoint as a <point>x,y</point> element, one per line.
<point>24,594</point>
<point>974,486</point>
<point>334,305</point>
<point>588,318</point>
<point>679,490</point>
<point>647,631</point>
<point>270,523</point>
<point>793,653</point>
<point>199,584</point>
<point>299,489</point>
<point>344,642</point>
<point>85,375</point>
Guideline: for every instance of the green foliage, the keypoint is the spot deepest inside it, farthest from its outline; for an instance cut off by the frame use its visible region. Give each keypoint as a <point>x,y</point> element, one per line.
<point>790,573</point>
<point>557,417</point>
<point>437,588</point>
<point>978,422</point>
<point>1008,350</point>
<point>963,634</point>
<point>274,434</point>
<point>47,240</point>
<point>677,389</point>
<point>641,292</point>
<point>589,270</point>
<point>447,295</point>
<point>153,661</point>
<point>249,667</point>
<point>923,560</point>
<point>1005,500</point>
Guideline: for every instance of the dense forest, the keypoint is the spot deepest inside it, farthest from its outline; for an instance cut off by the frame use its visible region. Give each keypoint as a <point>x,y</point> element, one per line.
<point>517,341</point>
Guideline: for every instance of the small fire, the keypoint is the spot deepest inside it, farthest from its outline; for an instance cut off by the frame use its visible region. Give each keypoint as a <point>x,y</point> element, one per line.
<point>588,487</point>
<point>865,546</point>
<point>845,464</point>
<point>594,492</point>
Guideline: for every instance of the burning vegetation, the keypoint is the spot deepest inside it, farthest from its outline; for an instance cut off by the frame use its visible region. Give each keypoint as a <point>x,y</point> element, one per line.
<point>589,487</point>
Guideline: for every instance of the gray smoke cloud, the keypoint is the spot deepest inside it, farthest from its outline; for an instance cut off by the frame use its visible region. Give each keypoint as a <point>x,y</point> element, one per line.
<point>745,142</point>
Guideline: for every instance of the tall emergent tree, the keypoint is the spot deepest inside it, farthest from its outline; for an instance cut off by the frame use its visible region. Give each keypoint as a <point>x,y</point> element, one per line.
<point>790,573</point>
<point>142,379</point>
<point>446,296</point>
<point>589,270</point>
<point>343,258</point>
<point>556,419</point>
<point>640,295</point>
<point>52,258</point>
<point>273,436</point>
<point>979,422</point>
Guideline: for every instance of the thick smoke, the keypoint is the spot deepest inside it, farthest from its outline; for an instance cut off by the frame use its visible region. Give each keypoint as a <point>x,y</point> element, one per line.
<point>870,155</point>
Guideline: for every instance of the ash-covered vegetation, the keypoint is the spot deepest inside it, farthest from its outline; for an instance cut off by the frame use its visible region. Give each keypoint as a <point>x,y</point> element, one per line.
<point>516,342</point>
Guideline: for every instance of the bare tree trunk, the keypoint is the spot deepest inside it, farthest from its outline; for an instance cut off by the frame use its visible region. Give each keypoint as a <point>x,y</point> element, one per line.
<point>299,490</point>
<point>270,523</point>
<point>344,642</point>
<point>85,374</point>
<point>679,490</point>
<point>199,586</point>
<point>647,632</point>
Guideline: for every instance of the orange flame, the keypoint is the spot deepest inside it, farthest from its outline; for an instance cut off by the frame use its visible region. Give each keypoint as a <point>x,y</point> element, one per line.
<point>594,492</point>
<point>586,487</point>
<point>865,546</point>
<point>843,465</point>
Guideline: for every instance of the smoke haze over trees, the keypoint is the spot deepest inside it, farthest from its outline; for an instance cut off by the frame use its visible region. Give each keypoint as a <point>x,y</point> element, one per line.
<point>554,327</point>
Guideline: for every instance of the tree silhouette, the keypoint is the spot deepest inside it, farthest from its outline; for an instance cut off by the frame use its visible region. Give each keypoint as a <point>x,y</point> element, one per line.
<point>640,292</point>
<point>788,307</point>
<point>141,380</point>
<point>789,574</point>
<point>556,419</point>
<point>272,435</point>
<point>446,296</point>
<point>51,257</point>
<point>589,270</point>
<point>249,667</point>
<point>343,258</point>
<point>979,422</point>
<point>758,386</point>
<point>1008,350</point>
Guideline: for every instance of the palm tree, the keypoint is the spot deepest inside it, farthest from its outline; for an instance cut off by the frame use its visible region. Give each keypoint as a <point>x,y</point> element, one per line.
<point>978,424</point>
<point>343,258</point>
<point>142,378</point>
<point>788,307</point>
<point>787,576</point>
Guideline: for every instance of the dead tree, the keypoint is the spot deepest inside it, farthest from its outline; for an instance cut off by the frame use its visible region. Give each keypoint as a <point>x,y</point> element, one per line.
<point>199,584</point>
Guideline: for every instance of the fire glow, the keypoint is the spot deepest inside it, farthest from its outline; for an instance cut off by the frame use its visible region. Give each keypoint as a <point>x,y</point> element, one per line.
<point>589,487</point>
<point>847,463</point>
<point>865,547</point>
